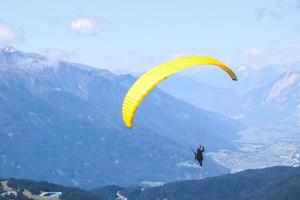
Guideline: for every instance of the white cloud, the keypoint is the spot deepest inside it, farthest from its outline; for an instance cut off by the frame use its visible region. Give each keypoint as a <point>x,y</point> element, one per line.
<point>277,9</point>
<point>176,55</point>
<point>8,36</point>
<point>242,68</point>
<point>258,58</point>
<point>54,56</point>
<point>263,12</point>
<point>253,52</point>
<point>87,26</point>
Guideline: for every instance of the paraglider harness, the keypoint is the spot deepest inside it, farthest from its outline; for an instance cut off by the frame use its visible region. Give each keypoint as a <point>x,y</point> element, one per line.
<point>198,156</point>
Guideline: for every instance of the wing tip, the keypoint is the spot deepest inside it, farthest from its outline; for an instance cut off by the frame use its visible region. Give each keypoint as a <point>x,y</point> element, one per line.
<point>129,126</point>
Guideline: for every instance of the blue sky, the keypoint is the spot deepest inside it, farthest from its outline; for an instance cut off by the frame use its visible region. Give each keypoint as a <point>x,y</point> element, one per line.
<point>136,35</point>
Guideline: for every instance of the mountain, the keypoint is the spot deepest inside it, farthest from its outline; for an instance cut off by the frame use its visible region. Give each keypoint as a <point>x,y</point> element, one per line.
<point>21,189</point>
<point>269,183</point>
<point>109,192</point>
<point>249,78</point>
<point>211,89</point>
<point>277,102</point>
<point>61,122</point>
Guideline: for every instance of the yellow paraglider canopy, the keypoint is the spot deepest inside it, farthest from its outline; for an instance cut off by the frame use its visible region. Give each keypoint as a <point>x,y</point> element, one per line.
<point>153,77</point>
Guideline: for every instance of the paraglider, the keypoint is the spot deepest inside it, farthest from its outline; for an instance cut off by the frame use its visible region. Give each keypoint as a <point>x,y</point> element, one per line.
<point>153,77</point>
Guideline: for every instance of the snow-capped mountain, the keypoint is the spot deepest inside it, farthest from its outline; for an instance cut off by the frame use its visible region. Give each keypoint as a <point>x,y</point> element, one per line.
<point>62,122</point>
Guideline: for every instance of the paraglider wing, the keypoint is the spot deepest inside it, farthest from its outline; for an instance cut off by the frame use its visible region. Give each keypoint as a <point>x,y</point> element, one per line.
<point>153,77</point>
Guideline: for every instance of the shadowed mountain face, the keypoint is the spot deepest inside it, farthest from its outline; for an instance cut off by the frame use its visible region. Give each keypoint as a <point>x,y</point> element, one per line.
<point>21,189</point>
<point>61,122</point>
<point>269,183</point>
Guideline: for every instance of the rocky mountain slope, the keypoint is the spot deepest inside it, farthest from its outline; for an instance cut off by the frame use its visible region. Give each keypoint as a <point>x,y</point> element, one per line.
<point>277,102</point>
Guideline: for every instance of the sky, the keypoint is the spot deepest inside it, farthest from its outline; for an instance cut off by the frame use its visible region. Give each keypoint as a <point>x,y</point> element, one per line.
<point>136,35</point>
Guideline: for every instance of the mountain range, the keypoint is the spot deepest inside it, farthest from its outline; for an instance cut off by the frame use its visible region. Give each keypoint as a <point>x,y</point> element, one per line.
<point>61,122</point>
<point>275,103</point>
<point>265,100</point>
<point>268,95</point>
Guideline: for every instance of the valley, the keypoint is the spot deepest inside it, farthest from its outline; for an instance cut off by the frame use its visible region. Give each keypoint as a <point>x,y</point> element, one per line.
<point>261,147</point>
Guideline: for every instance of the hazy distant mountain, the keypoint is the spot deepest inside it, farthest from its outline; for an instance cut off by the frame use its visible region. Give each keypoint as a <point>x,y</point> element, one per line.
<point>260,184</point>
<point>215,77</point>
<point>211,89</point>
<point>249,78</point>
<point>199,94</point>
<point>61,122</point>
<point>278,102</point>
